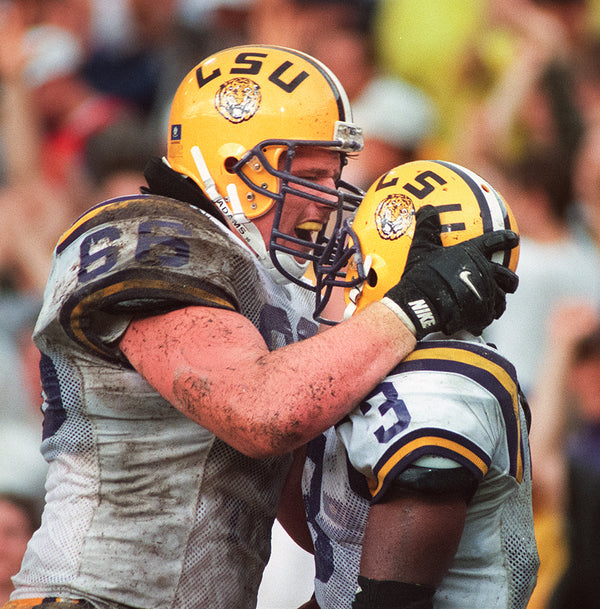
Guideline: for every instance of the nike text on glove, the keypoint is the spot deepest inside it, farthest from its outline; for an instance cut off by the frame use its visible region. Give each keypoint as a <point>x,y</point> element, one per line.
<point>453,288</point>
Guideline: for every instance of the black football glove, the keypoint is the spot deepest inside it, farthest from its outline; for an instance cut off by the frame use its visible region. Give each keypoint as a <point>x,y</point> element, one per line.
<point>454,288</point>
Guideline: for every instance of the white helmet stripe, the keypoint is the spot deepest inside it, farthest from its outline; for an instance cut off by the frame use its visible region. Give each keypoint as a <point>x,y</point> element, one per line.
<point>343,103</point>
<point>494,215</point>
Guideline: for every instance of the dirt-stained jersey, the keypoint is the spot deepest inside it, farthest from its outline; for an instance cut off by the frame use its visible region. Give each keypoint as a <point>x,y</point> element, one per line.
<point>143,504</point>
<point>450,403</point>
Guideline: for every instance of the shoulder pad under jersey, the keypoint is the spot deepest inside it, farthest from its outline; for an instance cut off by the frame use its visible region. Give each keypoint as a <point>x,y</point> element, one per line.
<point>409,416</point>
<point>487,368</point>
<point>143,255</point>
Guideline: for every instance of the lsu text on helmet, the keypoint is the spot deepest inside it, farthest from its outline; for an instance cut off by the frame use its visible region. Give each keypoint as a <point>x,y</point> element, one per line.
<point>235,124</point>
<point>369,254</point>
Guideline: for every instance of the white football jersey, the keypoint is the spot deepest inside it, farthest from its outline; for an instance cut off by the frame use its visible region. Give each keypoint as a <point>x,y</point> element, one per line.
<point>450,402</point>
<point>145,508</point>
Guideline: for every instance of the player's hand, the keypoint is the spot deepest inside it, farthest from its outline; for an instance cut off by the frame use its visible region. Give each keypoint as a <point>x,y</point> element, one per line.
<point>453,288</point>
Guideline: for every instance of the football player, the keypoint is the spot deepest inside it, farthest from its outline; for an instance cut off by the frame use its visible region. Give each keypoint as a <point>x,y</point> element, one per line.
<point>173,390</point>
<point>421,496</point>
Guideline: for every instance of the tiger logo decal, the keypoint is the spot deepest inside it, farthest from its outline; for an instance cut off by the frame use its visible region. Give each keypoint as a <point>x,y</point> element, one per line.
<point>394,215</point>
<point>238,99</point>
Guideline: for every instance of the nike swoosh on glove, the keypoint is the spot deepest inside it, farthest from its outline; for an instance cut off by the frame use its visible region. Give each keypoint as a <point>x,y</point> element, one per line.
<point>454,288</point>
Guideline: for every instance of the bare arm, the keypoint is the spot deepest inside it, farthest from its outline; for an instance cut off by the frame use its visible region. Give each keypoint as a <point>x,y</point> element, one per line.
<point>413,538</point>
<point>34,212</point>
<point>214,367</point>
<point>20,122</point>
<point>539,39</point>
<point>569,323</point>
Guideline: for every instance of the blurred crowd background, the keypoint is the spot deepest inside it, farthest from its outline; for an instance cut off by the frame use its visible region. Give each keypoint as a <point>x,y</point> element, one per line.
<point>508,88</point>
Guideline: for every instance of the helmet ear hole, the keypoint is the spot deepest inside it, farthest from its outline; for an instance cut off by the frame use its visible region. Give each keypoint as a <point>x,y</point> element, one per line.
<point>372,278</point>
<point>230,163</point>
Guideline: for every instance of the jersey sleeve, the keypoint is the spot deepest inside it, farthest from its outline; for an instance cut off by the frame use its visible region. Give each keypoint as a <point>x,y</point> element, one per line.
<point>141,256</point>
<point>449,401</point>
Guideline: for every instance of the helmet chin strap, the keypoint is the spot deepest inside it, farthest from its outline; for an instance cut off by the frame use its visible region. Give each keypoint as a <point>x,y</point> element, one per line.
<point>244,227</point>
<point>287,261</point>
<point>355,292</point>
<point>290,265</point>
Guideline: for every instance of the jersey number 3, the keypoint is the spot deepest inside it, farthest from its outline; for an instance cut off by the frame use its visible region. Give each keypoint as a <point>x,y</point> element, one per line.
<point>385,399</point>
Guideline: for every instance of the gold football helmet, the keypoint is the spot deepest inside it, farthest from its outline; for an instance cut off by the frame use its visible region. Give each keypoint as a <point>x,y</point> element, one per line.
<point>235,123</point>
<point>369,254</point>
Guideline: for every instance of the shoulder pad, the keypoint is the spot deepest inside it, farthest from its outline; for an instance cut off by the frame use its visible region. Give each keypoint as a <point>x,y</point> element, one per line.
<point>143,255</point>
<point>485,367</point>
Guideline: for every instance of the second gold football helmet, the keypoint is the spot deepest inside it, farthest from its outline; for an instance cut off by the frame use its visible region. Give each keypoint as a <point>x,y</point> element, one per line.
<point>235,123</point>
<point>370,252</point>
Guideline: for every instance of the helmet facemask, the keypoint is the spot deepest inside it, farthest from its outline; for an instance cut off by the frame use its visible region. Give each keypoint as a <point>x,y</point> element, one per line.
<point>289,253</point>
<point>341,252</point>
